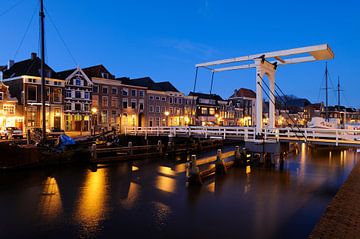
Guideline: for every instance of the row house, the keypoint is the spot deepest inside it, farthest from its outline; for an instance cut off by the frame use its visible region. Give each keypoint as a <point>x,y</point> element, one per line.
<point>165,105</point>
<point>207,108</point>
<point>24,82</point>
<point>244,101</point>
<point>10,113</point>
<point>77,100</point>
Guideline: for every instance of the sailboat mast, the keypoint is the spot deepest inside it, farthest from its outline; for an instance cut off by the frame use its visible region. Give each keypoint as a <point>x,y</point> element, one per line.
<point>43,93</point>
<point>326,88</point>
<point>338,89</point>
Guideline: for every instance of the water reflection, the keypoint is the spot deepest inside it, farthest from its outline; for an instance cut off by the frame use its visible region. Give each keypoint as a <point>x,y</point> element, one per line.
<point>91,208</point>
<point>165,184</point>
<point>162,212</point>
<point>50,205</point>
<point>132,196</point>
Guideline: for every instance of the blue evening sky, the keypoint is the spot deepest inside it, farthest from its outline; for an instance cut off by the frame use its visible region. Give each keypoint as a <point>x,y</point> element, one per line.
<point>165,39</point>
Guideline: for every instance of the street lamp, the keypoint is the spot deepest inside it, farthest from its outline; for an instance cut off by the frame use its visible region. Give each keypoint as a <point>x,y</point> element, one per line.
<point>167,113</point>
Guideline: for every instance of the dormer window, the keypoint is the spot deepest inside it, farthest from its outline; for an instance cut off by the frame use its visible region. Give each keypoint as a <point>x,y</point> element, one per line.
<point>105,75</point>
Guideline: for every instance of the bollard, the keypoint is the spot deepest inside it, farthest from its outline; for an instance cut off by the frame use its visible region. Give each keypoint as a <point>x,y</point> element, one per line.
<point>219,164</point>
<point>159,146</point>
<point>130,146</point>
<point>93,152</point>
<point>237,160</point>
<point>193,175</point>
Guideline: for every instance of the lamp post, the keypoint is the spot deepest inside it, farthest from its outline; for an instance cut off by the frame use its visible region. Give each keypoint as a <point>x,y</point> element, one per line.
<point>167,113</point>
<point>94,118</point>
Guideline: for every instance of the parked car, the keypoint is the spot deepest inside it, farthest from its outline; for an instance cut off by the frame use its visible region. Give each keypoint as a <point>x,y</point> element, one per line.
<point>11,132</point>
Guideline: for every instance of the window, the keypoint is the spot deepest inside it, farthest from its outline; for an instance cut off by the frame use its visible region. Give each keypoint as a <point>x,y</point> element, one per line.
<point>204,111</point>
<point>78,94</point>
<point>47,94</point>
<point>163,109</point>
<point>141,93</point>
<point>171,110</point>
<point>47,82</point>
<point>125,103</point>
<point>133,104</point>
<point>77,106</point>
<point>163,98</point>
<point>96,89</point>
<point>113,116</point>
<point>151,108</point>
<point>125,92</point>
<point>1,95</point>
<point>114,102</point>
<point>95,100</point>
<point>78,81</point>
<point>170,100</point>
<point>175,100</point>
<point>133,93</point>
<point>105,102</point>
<point>157,97</point>
<point>180,101</point>
<point>211,111</point>
<point>86,107</point>
<point>151,97</point>
<point>104,117</point>
<point>57,83</point>
<point>57,95</point>
<point>105,90</point>
<point>9,109</point>
<point>141,106</point>
<point>87,95</point>
<point>68,94</point>
<point>114,91</point>
<point>67,106</point>
<point>105,75</point>
<point>157,109</point>
<point>31,80</point>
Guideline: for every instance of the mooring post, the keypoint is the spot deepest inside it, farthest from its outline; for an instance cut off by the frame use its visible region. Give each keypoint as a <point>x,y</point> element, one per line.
<point>93,152</point>
<point>159,146</point>
<point>130,146</point>
<point>282,160</point>
<point>28,139</point>
<point>237,156</point>
<point>194,177</point>
<point>219,163</point>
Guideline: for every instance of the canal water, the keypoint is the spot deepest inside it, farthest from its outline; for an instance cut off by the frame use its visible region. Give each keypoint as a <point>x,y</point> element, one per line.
<point>149,199</point>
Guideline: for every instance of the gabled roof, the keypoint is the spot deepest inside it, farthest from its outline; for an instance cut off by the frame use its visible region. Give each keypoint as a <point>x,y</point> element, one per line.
<point>64,74</point>
<point>97,71</point>
<point>243,92</point>
<point>149,83</point>
<point>69,74</point>
<point>206,96</point>
<point>30,67</point>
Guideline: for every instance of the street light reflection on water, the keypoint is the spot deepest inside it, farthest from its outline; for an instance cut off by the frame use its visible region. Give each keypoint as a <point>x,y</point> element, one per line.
<point>149,199</point>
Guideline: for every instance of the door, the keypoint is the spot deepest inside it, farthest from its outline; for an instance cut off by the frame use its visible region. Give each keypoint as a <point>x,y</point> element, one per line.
<point>57,122</point>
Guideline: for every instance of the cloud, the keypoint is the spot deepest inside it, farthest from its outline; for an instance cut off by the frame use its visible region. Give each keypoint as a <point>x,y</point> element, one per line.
<point>184,46</point>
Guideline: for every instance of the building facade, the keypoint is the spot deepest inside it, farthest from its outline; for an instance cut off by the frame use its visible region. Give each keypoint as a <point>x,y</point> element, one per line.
<point>24,81</point>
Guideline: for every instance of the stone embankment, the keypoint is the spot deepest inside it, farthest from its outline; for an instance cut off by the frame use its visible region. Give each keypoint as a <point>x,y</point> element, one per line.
<point>342,217</point>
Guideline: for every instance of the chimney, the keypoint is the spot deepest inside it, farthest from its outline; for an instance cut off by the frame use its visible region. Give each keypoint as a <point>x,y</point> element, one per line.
<point>10,64</point>
<point>33,55</point>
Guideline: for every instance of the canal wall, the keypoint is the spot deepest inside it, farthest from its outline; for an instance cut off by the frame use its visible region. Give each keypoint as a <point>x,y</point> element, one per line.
<point>342,216</point>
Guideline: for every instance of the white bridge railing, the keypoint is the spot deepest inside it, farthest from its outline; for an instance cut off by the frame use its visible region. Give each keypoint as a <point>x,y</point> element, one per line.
<point>330,136</point>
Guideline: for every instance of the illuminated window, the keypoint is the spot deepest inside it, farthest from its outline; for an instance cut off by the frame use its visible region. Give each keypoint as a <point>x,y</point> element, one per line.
<point>9,109</point>
<point>211,111</point>
<point>95,100</point>
<point>114,102</point>
<point>57,95</point>
<point>204,111</point>
<point>104,117</point>
<point>105,102</point>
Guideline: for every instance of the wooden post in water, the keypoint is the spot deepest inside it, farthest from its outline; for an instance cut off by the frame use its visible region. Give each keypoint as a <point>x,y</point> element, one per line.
<point>93,152</point>
<point>237,156</point>
<point>28,137</point>
<point>159,146</point>
<point>130,146</point>
<point>219,164</point>
<point>194,172</point>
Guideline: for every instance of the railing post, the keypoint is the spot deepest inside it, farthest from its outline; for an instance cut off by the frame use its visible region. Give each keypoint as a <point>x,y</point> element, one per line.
<point>246,134</point>
<point>337,137</point>
<point>224,133</point>
<point>157,131</point>
<point>206,133</point>
<point>189,130</point>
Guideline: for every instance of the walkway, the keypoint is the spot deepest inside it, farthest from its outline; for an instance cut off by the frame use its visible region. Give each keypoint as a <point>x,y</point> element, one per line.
<point>342,217</point>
